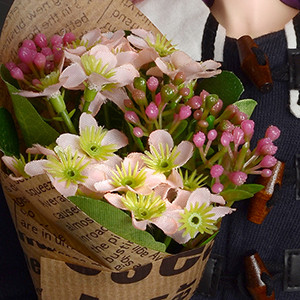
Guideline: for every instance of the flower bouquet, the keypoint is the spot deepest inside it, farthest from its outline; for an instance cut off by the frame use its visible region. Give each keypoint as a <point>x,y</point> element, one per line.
<point>131,153</point>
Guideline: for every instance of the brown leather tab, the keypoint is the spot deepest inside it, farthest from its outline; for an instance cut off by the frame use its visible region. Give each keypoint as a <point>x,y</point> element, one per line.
<point>255,63</point>
<point>258,207</point>
<point>255,273</point>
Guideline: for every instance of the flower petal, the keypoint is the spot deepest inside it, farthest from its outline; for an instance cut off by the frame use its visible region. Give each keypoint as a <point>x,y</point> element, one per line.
<point>35,167</point>
<point>160,136</point>
<point>185,150</point>
<point>69,140</point>
<point>74,74</point>
<point>115,200</point>
<point>220,212</point>
<point>87,120</point>
<point>115,137</point>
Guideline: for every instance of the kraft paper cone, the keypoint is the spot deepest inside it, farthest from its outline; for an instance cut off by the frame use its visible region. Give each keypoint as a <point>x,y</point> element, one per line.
<point>69,255</point>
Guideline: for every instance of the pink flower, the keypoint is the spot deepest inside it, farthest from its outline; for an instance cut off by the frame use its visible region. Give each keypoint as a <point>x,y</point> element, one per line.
<point>181,62</point>
<point>94,141</point>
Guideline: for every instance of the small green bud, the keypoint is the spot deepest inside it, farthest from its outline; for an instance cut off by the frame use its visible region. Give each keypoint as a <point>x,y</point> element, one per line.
<point>140,83</point>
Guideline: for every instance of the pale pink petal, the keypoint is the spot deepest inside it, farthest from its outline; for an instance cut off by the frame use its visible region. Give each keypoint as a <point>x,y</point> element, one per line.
<point>179,238</point>
<point>217,199</point>
<point>220,212</point>
<point>92,37</point>
<point>117,96</point>
<point>63,189</point>
<point>180,58</point>
<point>126,57</point>
<point>124,75</point>
<point>115,137</point>
<point>96,104</point>
<point>161,64</point>
<point>142,225</point>
<point>113,161</point>
<point>74,74</point>
<point>39,149</point>
<point>143,190</point>
<point>144,34</point>
<point>200,196</point>
<point>107,57</point>
<point>73,56</point>
<point>48,91</point>
<point>115,200</point>
<point>154,179</point>
<point>162,190</point>
<point>78,51</point>
<point>104,186</point>
<point>160,136</point>
<point>175,179</point>
<point>182,198</point>
<point>133,158</point>
<point>145,56</point>
<point>35,167</point>
<point>155,71</point>
<point>98,80</point>
<point>69,140</point>
<point>166,223</point>
<point>185,150</point>
<point>87,120</point>
<point>96,173</point>
<point>10,161</point>
<point>137,42</point>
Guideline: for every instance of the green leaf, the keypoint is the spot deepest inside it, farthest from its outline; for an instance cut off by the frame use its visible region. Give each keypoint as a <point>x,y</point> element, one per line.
<point>226,85</point>
<point>246,105</point>
<point>116,221</point>
<point>232,195</point>
<point>251,187</point>
<point>9,142</point>
<point>180,128</point>
<point>34,129</point>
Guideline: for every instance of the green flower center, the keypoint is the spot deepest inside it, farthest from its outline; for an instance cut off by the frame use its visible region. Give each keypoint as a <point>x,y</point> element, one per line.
<point>192,182</point>
<point>66,167</point>
<point>144,207</point>
<point>162,46</point>
<point>161,161</point>
<point>134,178</point>
<point>48,80</point>
<point>91,143</point>
<point>197,219</point>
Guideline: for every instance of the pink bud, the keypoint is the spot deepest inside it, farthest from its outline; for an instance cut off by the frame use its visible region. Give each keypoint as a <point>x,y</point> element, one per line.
<point>25,69</point>
<point>212,134</point>
<point>203,95</point>
<point>197,114</point>
<point>239,117</point>
<point>269,149</point>
<point>261,143</point>
<point>29,44</point>
<point>46,51</point>
<point>138,132</point>
<point>35,81</point>
<point>248,127</point>
<point>215,110</point>
<point>199,139</point>
<point>272,132</point>
<point>41,40</point>
<point>128,103</point>
<point>152,83</point>
<point>26,55</point>
<point>184,92</point>
<point>238,136</point>
<point>238,177</point>
<point>158,99</point>
<point>152,111</point>
<point>10,65</point>
<point>266,173</point>
<point>57,56</point>
<point>56,41</point>
<point>203,124</point>
<point>268,161</point>
<point>217,188</point>
<point>49,67</point>
<point>131,117</point>
<point>184,112</point>
<point>226,125</point>
<point>17,73</point>
<point>195,102</point>
<point>68,38</point>
<point>40,61</point>
<point>226,138</point>
<point>216,171</point>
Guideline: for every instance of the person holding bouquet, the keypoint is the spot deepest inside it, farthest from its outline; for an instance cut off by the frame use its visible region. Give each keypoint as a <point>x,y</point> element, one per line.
<point>220,30</point>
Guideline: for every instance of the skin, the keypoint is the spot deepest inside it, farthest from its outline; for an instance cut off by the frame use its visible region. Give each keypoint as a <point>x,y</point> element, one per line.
<point>252,17</point>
